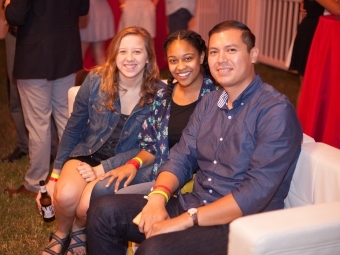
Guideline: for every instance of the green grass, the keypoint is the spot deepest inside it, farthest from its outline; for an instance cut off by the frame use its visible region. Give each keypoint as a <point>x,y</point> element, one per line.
<point>22,230</point>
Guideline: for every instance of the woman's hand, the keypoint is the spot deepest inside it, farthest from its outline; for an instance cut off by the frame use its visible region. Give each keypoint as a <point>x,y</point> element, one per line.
<point>119,174</point>
<point>303,11</point>
<point>50,190</point>
<point>86,171</point>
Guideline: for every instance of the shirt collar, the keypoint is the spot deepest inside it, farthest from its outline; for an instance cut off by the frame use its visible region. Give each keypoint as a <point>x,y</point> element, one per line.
<point>222,101</point>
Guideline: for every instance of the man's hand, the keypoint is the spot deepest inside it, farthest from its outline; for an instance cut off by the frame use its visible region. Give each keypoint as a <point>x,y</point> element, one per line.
<point>179,223</point>
<point>86,171</point>
<point>153,211</point>
<point>119,174</point>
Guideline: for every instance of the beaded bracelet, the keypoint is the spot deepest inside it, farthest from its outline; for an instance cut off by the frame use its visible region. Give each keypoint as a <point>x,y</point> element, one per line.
<point>139,160</point>
<point>161,193</point>
<point>134,162</point>
<point>162,186</point>
<point>55,176</point>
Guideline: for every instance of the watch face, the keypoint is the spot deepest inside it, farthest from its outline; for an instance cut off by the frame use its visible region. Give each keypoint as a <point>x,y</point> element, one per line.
<point>192,211</point>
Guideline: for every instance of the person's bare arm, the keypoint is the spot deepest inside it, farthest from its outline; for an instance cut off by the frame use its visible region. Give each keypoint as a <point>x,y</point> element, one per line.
<point>330,5</point>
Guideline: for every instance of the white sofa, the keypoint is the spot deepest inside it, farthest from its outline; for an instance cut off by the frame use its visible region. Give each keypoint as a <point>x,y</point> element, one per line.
<point>310,224</point>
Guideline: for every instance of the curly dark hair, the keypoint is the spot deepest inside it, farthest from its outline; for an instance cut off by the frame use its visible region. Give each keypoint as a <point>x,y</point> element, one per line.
<point>195,40</point>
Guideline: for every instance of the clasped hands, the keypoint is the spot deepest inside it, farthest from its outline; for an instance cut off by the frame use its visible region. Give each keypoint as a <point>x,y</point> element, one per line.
<point>154,219</point>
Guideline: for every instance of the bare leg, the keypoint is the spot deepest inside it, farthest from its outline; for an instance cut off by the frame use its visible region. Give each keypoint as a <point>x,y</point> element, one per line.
<point>81,215</point>
<point>68,191</point>
<point>84,47</point>
<point>98,52</point>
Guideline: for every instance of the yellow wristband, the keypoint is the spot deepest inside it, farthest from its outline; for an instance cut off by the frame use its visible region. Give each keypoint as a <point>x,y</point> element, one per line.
<point>161,193</point>
<point>139,160</point>
<point>55,176</point>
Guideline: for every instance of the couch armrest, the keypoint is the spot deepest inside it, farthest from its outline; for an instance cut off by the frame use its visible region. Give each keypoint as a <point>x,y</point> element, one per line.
<point>313,229</point>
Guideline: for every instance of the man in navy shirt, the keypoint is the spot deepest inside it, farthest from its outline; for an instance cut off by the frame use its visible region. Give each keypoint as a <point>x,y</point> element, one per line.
<point>245,139</point>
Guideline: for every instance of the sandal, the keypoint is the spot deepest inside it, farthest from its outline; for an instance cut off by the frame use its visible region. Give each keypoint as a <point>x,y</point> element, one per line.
<point>79,242</point>
<point>63,242</point>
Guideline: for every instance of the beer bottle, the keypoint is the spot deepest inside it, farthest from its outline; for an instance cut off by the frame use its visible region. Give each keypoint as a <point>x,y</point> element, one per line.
<point>47,209</point>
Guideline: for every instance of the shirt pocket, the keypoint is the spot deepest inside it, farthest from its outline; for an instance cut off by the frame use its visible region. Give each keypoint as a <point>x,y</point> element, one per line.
<point>99,115</point>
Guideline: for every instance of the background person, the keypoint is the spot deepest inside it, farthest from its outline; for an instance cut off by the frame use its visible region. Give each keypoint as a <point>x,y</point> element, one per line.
<point>179,13</point>
<point>47,57</point>
<point>311,11</point>
<point>96,28</point>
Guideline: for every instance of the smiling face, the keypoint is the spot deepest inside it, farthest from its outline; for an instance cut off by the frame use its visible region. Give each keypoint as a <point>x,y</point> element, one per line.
<point>230,63</point>
<point>184,62</point>
<point>132,57</point>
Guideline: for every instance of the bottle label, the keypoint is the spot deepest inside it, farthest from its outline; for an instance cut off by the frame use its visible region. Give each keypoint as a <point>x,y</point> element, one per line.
<point>47,211</point>
<point>43,189</point>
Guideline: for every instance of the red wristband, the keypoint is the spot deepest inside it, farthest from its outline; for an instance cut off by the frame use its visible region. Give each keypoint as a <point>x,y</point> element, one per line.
<point>134,162</point>
<point>164,187</point>
<point>53,179</point>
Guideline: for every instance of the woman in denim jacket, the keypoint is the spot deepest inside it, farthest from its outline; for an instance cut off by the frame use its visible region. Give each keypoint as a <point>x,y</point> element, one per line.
<point>102,133</point>
<point>185,52</point>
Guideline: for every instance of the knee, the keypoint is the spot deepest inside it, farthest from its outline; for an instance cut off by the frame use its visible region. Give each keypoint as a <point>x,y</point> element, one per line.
<point>65,197</point>
<point>100,190</point>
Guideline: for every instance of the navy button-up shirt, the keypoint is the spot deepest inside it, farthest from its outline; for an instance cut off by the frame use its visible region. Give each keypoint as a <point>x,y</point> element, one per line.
<point>250,150</point>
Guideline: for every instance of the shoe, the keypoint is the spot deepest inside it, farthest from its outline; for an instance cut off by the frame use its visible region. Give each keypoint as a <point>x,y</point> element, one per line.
<point>16,154</point>
<point>79,242</point>
<point>63,242</point>
<point>21,190</point>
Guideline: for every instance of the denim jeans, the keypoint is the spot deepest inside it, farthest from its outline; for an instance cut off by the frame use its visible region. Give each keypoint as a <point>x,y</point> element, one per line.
<point>109,227</point>
<point>143,176</point>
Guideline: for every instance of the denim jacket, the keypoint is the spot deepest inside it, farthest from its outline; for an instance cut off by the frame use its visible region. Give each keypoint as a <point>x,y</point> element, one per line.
<point>91,124</point>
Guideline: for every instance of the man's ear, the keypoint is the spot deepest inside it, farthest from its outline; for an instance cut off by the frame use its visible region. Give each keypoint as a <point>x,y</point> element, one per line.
<point>254,53</point>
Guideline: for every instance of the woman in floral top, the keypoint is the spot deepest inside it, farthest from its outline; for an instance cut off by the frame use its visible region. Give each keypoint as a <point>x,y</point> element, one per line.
<point>188,81</point>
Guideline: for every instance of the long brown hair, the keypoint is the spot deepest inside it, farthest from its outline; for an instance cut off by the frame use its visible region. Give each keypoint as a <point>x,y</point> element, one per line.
<point>109,72</point>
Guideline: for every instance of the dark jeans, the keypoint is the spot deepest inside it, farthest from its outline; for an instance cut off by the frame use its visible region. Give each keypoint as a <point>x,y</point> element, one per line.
<point>179,20</point>
<point>109,227</point>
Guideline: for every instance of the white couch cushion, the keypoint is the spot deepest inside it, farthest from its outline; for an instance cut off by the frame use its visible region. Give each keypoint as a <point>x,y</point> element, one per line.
<point>317,176</point>
<point>307,230</point>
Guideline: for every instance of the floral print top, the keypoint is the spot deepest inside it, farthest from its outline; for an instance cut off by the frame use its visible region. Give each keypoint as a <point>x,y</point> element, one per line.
<point>154,135</point>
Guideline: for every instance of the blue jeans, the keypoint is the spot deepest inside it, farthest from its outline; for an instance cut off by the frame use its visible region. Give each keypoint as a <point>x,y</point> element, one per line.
<point>109,227</point>
<point>144,175</point>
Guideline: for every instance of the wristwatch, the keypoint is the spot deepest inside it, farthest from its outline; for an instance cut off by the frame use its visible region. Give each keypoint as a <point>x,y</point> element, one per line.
<point>193,214</point>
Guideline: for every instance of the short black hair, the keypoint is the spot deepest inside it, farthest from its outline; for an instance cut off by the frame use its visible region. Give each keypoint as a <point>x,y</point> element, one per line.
<point>247,36</point>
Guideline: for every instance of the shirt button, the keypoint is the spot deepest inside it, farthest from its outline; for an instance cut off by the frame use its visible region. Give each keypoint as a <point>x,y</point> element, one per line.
<point>221,139</point>
<point>210,191</point>
<point>204,201</point>
<point>229,117</point>
<point>209,179</point>
<point>215,162</point>
<point>241,103</point>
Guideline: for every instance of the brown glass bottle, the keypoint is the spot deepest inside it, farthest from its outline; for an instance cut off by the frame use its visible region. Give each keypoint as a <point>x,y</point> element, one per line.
<point>47,210</point>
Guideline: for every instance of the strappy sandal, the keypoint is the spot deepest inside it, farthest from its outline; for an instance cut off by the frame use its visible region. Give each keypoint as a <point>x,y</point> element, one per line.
<point>63,242</point>
<point>79,242</point>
